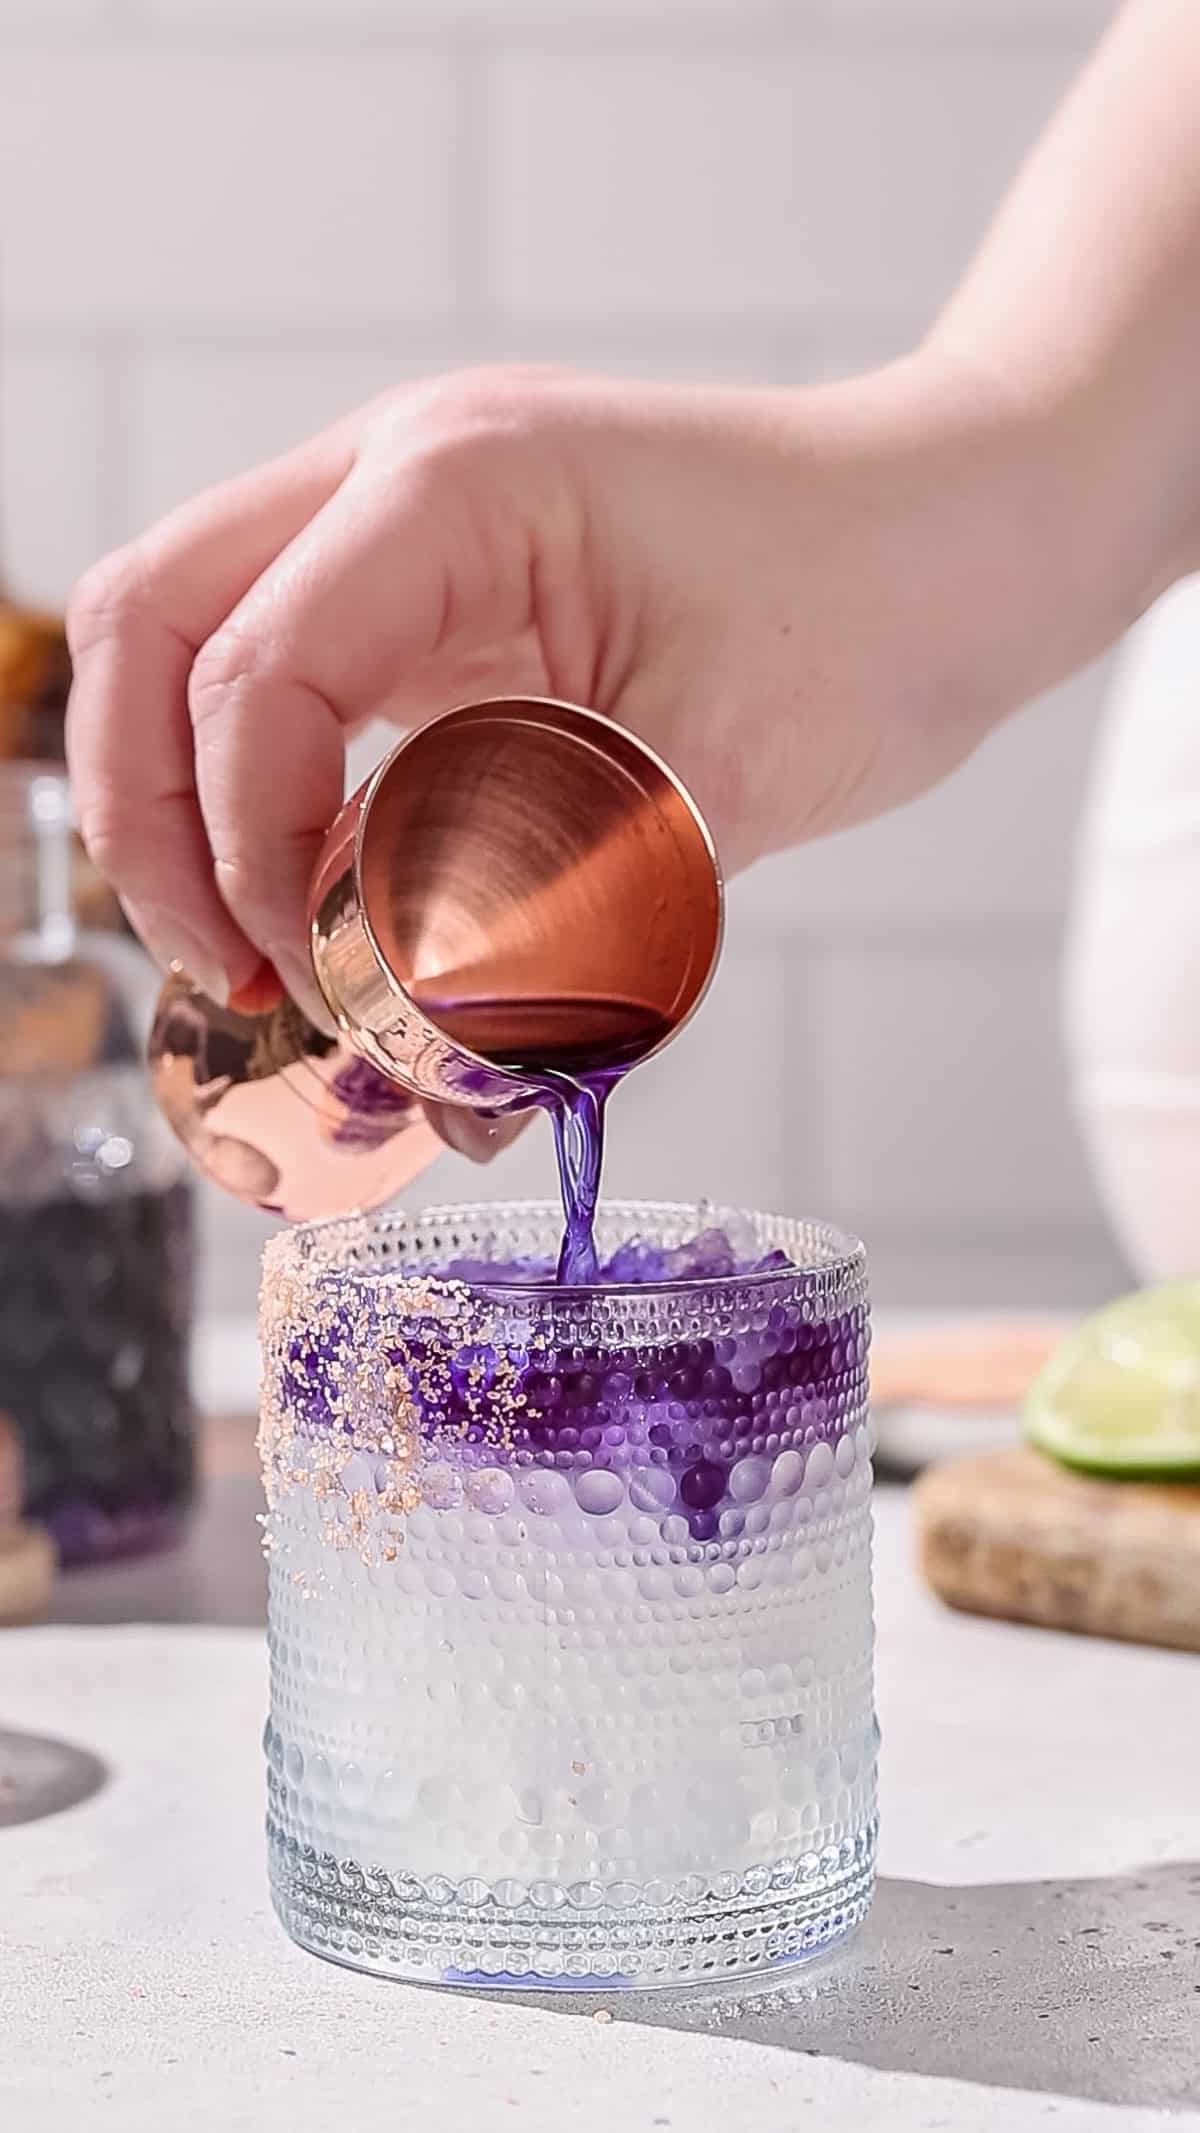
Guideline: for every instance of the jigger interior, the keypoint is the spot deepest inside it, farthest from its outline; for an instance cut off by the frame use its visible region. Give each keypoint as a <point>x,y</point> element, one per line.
<point>538,885</point>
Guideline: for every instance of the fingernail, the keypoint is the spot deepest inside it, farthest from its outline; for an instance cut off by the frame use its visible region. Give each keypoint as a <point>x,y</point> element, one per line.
<point>260,993</point>
<point>469,1133</point>
<point>173,945</point>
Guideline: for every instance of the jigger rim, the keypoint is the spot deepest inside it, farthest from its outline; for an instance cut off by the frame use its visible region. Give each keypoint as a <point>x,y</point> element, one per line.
<point>568,716</point>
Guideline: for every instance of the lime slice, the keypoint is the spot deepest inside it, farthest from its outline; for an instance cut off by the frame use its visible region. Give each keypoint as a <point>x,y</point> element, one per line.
<point>1121,1395</point>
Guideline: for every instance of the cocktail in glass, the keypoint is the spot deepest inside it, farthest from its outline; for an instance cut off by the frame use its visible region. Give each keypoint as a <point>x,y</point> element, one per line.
<point>571,1646</point>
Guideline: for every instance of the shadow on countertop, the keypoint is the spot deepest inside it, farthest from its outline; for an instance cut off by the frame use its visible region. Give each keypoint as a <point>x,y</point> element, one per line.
<point>1084,1988</point>
<point>1087,1988</point>
<point>41,1775</point>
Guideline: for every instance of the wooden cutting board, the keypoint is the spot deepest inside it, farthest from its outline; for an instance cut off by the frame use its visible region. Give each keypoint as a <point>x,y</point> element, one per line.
<point>26,1555</point>
<point>1010,1533</point>
<point>26,1574</point>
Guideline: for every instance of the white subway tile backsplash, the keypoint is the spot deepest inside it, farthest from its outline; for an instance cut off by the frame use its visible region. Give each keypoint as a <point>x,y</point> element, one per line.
<point>945,1102</point>
<point>690,353</point>
<point>50,22</point>
<point>1044,1269</point>
<point>198,190</point>
<point>772,185</point>
<point>51,424</point>
<point>993,846</point>
<point>229,220</point>
<point>19,18</point>
<point>345,16</point>
<point>655,19</point>
<point>503,18</point>
<point>977,19</point>
<point>712,1117</point>
<point>818,357</point>
<point>197,416</point>
<point>720,1114</point>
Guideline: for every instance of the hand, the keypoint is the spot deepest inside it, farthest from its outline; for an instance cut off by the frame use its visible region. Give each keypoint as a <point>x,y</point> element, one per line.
<point>812,603</point>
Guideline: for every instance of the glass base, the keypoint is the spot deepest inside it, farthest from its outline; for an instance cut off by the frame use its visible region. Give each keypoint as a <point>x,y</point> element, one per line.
<point>740,1926</point>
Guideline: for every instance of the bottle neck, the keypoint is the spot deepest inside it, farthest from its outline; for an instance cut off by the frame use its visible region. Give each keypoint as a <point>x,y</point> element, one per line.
<point>37,901</point>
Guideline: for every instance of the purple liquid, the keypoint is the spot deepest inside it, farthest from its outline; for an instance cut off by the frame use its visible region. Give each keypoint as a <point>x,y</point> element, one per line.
<point>577,1116</point>
<point>692,1426</point>
<point>575,1051</point>
<point>637,1262</point>
<point>95,1316</point>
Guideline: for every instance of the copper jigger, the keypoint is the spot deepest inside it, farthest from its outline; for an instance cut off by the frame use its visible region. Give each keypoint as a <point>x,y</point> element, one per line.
<point>279,1113</point>
<point>521,891</point>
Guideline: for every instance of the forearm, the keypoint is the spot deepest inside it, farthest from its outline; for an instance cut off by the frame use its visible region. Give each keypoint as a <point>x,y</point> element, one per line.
<point>1083,306</point>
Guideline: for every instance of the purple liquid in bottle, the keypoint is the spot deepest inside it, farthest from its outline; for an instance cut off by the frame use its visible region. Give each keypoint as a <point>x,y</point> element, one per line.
<point>95,1318</point>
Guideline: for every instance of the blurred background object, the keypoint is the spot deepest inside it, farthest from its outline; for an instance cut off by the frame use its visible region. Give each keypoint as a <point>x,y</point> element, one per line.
<point>26,1551</point>
<point>1134,949</point>
<point>35,680</point>
<point>225,223</point>
<point>95,1208</point>
<point>35,676</point>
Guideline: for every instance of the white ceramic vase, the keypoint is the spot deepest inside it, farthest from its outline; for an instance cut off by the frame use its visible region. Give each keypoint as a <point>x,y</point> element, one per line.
<point>1133,951</point>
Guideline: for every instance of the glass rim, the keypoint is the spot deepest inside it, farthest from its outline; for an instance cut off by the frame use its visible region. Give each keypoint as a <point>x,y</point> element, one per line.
<point>843,1255</point>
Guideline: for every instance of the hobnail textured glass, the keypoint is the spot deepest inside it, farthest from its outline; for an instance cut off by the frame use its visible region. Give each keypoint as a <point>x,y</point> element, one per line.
<point>570,1603</point>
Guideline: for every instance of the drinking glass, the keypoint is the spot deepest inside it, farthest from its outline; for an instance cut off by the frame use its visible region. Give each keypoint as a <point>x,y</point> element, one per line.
<point>570,1596</point>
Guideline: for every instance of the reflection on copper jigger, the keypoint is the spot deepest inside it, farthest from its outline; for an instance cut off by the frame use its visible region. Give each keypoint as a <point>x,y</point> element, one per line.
<point>521,887</point>
<point>277,1112</point>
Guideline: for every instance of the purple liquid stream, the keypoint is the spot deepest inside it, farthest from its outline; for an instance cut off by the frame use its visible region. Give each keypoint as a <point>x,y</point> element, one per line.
<point>577,1116</point>
<point>574,1051</point>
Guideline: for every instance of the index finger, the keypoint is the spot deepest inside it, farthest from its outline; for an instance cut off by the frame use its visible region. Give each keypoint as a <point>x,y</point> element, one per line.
<point>136,623</point>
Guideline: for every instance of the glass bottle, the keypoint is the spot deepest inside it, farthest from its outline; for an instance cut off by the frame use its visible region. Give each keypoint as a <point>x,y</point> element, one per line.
<point>96,1231</point>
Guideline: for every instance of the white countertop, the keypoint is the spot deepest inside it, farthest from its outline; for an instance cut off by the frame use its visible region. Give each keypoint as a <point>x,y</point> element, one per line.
<point>1033,1957</point>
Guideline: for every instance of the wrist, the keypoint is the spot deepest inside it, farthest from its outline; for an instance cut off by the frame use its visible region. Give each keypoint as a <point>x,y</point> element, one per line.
<point>1056,545</point>
<point>1112,490</point>
<point>1008,530</point>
